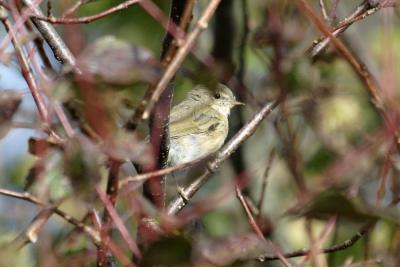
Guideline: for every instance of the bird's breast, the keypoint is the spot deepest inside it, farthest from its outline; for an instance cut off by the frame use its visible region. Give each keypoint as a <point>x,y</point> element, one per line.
<point>194,146</point>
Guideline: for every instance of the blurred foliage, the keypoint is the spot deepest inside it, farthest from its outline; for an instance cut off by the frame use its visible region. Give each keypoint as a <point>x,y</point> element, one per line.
<point>327,134</point>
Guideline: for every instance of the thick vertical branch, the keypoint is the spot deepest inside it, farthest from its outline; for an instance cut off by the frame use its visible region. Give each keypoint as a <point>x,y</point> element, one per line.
<point>154,189</point>
<point>224,35</point>
<point>237,159</point>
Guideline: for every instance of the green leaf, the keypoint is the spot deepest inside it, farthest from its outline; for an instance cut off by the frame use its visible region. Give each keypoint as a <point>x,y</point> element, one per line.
<point>169,251</point>
<point>320,160</point>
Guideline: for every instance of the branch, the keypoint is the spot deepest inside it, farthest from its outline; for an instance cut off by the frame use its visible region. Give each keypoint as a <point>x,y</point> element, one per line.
<point>110,200</point>
<point>31,232</point>
<point>360,69</point>
<point>323,10</point>
<point>93,234</point>
<point>338,247</point>
<point>181,54</point>
<point>110,209</point>
<point>257,229</point>
<point>161,172</point>
<point>168,52</point>
<point>361,12</point>
<point>87,19</point>
<point>25,68</point>
<point>187,193</point>
<point>264,183</point>
<point>57,45</point>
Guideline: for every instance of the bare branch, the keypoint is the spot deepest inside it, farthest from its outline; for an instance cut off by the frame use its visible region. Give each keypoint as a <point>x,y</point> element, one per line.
<point>119,224</point>
<point>149,175</point>
<point>338,247</point>
<point>361,12</point>
<point>264,183</point>
<point>257,229</point>
<point>60,50</point>
<point>25,69</point>
<point>87,19</point>
<point>93,234</point>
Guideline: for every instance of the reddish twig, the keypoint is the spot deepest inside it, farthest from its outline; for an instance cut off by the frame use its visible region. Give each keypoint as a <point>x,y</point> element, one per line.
<point>109,201</point>
<point>360,69</point>
<point>161,172</point>
<point>257,229</point>
<point>93,234</point>
<point>87,19</point>
<point>119,224</point>
<point>181,54</point>
<point>109,245</point>
<point>25,69</point>
<point>361,12</point>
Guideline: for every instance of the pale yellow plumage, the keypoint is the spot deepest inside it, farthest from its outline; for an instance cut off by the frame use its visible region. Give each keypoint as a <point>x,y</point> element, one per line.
<point>199,124</point>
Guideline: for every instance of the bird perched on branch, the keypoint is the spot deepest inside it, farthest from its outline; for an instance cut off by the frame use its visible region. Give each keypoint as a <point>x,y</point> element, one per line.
<point>199,124</point>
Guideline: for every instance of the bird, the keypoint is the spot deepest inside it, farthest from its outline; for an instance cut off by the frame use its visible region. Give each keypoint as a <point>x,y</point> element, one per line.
<point>199,124</point>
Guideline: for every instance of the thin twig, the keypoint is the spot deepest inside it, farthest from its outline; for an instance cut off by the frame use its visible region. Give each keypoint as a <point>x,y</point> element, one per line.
<point>228,149</point>
<point>87,19</point>
<point>360,69</point>
<point>119,224</point>
<point>93,234</point>
<point>161,172</point>
<point>181,54</point>
<point>316,244</point>
<point>264,183</point>
<point>257,229</point>
<point>323,10</point>
<point>75,7</point>
<point>112,194</point>
<point>31,232</point>
<point>167,54</point>
<point>361,12</point>
<point>338,247</point>
<point>116,250</point>
<point>25,69</point>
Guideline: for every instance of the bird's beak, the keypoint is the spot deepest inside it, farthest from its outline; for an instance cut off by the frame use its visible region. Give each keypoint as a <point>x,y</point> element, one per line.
<point>237,103</point>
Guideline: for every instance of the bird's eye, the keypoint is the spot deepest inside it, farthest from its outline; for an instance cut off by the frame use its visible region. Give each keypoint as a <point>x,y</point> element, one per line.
<point>217,96</point>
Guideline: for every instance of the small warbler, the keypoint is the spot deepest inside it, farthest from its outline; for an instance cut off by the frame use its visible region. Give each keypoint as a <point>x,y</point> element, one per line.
<point>199,124</point>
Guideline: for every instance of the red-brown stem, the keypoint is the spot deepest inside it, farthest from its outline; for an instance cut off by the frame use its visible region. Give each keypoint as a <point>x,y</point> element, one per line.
<point>87,19</point>
<point>26,71</point>
<point>257,229</point>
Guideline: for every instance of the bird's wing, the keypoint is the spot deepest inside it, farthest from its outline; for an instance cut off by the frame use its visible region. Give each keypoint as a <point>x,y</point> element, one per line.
<point>192,119</point>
